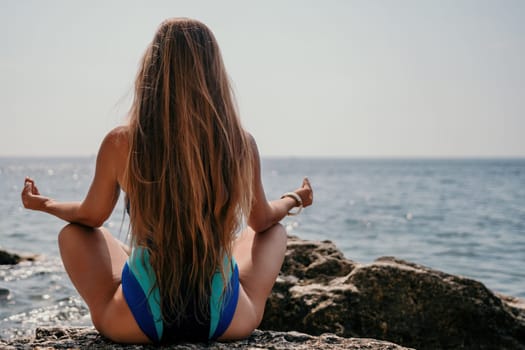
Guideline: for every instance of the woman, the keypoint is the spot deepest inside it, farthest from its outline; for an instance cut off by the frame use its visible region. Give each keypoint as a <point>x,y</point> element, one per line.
<point>190,173</point>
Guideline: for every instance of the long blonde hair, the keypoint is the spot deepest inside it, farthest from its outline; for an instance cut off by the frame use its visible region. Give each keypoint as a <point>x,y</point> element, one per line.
<point>189,175</point>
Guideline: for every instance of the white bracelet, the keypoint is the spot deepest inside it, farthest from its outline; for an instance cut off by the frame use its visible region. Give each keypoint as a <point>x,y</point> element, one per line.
<point>297,199</point>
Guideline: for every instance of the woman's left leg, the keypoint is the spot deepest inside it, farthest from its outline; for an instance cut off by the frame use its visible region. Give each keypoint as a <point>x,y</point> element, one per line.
<point>94,259</point>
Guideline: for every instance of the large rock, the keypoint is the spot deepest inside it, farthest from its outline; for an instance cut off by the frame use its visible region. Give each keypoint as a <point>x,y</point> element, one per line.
<point>320,291</point>
<point>88,338</point>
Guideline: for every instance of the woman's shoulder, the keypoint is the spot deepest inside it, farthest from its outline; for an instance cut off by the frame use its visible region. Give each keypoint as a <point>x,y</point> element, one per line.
<point>117,139</point>
<point>114,148</point>
<point>252,143</point>
<point>251,140</point>
<point>119,134</point>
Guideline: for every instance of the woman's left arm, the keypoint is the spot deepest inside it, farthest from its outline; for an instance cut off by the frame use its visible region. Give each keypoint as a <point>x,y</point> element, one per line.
<point>101,197</point>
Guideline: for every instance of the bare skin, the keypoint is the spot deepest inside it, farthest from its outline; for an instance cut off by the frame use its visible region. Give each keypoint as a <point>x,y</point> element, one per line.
<point>94,259</point>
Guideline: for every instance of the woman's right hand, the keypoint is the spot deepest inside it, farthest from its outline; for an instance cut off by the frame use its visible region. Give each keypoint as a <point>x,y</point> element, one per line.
<point>306,193</point>
<point>31,197</point>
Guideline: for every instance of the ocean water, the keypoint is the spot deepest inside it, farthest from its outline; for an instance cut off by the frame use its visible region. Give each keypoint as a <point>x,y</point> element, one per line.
<point>461,216</point>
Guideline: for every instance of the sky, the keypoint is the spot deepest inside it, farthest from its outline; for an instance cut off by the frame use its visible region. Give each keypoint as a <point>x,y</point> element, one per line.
<point>319,78</point>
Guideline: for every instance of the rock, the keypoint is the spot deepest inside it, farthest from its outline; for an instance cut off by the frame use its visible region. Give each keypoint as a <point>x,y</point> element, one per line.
<point>4,293</point>
<point>7,258</point>
<point>320,291</point>
<point>88,338</point>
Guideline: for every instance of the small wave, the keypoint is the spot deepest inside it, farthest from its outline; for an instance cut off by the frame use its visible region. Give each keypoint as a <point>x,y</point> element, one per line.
<point>454,234</point>
<point>447,181</point>
<point>457,253</point>
<point>71,311</point>
<point>29,269</point>
<point>352,221</point>
<point>291,226</point>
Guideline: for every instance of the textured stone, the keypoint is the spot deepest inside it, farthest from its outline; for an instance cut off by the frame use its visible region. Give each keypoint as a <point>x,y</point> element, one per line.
<point>320,291</point>
<point>8,258</point>
<point>88,338</point>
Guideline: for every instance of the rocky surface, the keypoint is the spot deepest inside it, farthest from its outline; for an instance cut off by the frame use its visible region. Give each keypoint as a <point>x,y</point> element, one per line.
<point>7,258</point>
<point>321,291</point>
<point>346,305</point>
<point>88,338</point>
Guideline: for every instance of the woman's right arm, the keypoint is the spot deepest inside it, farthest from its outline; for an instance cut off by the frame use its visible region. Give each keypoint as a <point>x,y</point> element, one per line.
<point>102,195</point>
<point>264,213</point>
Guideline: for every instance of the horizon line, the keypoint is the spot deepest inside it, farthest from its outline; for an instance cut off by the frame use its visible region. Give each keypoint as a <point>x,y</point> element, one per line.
<point>320,157</point>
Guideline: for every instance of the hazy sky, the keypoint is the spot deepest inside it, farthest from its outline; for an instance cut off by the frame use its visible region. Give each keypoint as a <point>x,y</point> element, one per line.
<point>312,78</point>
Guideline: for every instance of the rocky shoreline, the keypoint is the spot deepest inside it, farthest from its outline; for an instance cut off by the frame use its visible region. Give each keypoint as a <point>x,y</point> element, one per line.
<point>336,303</point>
<point>89,338</point>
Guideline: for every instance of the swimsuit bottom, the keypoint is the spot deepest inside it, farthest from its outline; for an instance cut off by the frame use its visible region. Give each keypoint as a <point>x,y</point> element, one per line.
<point>143,298</point>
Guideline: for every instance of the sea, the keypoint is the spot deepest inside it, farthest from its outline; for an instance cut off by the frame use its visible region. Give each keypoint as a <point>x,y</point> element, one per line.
<point>460,216</point>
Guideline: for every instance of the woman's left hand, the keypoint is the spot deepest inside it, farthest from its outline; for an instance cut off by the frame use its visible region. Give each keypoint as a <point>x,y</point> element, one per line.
<point>31,198</point>
<point>306,193</point>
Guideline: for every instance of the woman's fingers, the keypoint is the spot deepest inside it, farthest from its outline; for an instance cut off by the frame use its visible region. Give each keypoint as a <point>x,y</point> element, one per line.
<point>306,183</point>
<point>306,192</point>
<point>30,187</point>
<point>26,193</point>
<point>31,198</point>
<point>27,187</point>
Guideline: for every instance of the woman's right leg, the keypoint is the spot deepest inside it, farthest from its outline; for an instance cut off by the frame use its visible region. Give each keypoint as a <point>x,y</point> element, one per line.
<point>259,257</point>
<point>94,260</point>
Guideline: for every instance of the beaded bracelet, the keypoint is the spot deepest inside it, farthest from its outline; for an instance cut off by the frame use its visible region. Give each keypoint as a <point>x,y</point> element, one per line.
<point>297,199</point>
